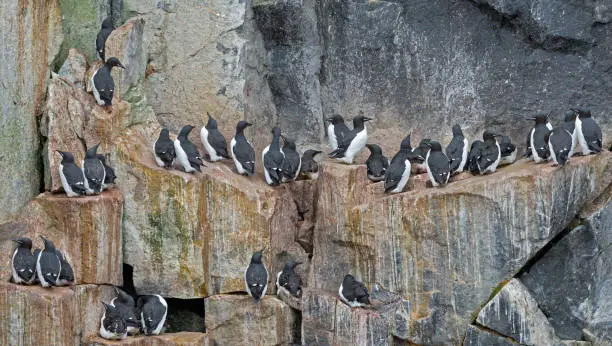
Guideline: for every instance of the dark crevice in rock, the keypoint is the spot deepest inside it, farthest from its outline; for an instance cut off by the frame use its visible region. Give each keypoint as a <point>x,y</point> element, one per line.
<point>494,332</point>
<point>128,279</point>
<point>185,315</point>
<point>40,164</point>
<point>297,328</point>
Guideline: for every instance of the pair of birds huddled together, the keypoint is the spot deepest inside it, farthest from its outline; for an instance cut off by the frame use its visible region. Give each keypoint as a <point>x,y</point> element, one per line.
<point>93,176</point>
<point>351,291</point>
<point>123,316</point>
<point>102,81</point>
<point>48,266</point>
<point>546,143</point>
<point>182,149</point>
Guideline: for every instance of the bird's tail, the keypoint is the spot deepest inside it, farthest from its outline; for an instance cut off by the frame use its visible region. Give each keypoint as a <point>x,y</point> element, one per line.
<point>337,154</point>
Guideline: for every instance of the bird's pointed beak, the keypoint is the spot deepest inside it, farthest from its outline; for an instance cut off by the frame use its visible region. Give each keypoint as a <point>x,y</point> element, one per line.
<point>529,118</point>
<point>249,124</point>
<point>18,241</point>
<point>316,152</point>
<point>262,250</point>
<point>298,263</point>
<point>121,66</point>
<point>367,119</point>
<point>60,152</point>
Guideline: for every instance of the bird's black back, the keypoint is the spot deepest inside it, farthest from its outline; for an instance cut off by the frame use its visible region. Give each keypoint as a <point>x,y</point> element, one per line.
<point>256,279</point>
<point>439,166</point>
<point>377,165</point>
<point>24,259</point>
<point>94,173</point>
<point>152,311</point>
<point>291,163</point>
<point>50,266</point>
<point>395,170</point>
<point>489,154</point>
<point>476,151</point>
<point>218,142</point>
<point>454,152</point>
<point>273,162</point>
<point>195,159</point>
<point>74,177</point>
<point>66,273</point>
<point>101,42</point>
<point>104,84</point>
<point>355,290</point>
<point>113,321</point>
<point>340,130</point>
<point>592,134</point>
<point>539,141</point>
<point>506,146</point>
<point>561,141</point>
<point>164,149</point>
<point>291,281</point>
<point>245,154</point>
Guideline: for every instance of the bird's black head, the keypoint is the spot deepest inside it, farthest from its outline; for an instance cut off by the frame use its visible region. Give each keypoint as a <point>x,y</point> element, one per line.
<point>164,134</point>
<point>359,120</point>
<point>582,113</point>
<point>123,297</point>
<point>242,125</point>
<point>292,264</point>
<point>488,135</point>
<point>92,152</point>
<point>336,119</point>
<point>311,153</point>
<point>406,143</point>
<point>24,242</point>
<point>257,256</point>
<point>49,246</point>
<point>570,116</point>
<point>435,146</point>
<point>114,62</point>
<point>66,156</point>
<point>212,123</point>
<point>539,119</point>
<point>374,149</point>
<point>109,308</point>
<point>457,130</point>
<point>276,131</point>
<point>348,279</point>
<point>288,143</point>
<point>414,156</point>
<point>108,23</point>
<point>185,131</point>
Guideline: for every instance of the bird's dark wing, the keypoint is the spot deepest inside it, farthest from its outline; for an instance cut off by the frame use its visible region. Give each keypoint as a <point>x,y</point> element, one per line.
<point>25,264</point>
<point>376,166</point>
<point>100,42</point>
<point>454,152</point>
<point>257,279</point>
<point>273,162</point>
<point>94,171</point>
<point>128,313</point>
<point>165,151</point>
<point>291,163</point>
<point>105,85</point>
<point>294,283</point>
<point>476,152</point>
<point>439,166</point>
<point>340,130</point>
<point>540,143</point>
<point>561,141</point>
<point>592,135</point>
<point>153,311</point>
<point>394,172</point>
<point>74,177</point>
<point>218,142</point>
<point>67,273</point>
<point>49,266</point>
<point>243,151</point>
<point>489,154</point>
<point>110,175</point>
<point>361,293</point>
<point>343,144</point>
<point>193,154</point>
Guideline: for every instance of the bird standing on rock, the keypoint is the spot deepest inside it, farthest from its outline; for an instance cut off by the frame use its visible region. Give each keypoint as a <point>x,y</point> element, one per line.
<point>163,149</point>
<point>288,280</point>
<point>110,176</point>
<point>310,167</point>
<point>242,151</point>
<point>570,126</point>
<point>186,152</point>
<point>213,140</point>
<point>23,263</point>
<point>353,142</point>
<point>437,164</point>
<point>336,130</point>
<point>398,173</point>
<point>476,150</point>
<point>124,303</point>
<point>66,276</point>
<point>537,142</point>
<point>377,163</point>
<point>457,151</point>
<point>508,151</point>
<point>273,158</point>
<point>560,142</point>
<point>588,132</point>
<point>292,163</point>
<point>490,154</point>
<point>153,313</point>
<point>94,171</point>
<point>105,31</point>
<point>48,264</point>
<point>112,325</point>
<point>418,162</point>
<point>103,83</point>
<point>73,180</point>
<point>353,293</point>
<point>256,277</point>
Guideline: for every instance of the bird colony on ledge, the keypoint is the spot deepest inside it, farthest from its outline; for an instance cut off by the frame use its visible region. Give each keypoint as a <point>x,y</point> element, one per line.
<point>125,315</point>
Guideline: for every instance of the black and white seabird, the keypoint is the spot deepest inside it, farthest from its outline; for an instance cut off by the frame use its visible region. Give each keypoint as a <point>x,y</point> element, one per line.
<point>537,142</point>
<point>353,142</point>
<point>528,153</point>
<point>377,163</point>
<point>588,132</point>
<point>398,173</point>
<point>476,151</point>
<point>103,84</point>
<point>23,263</point>
<point>293,161</point>
<point>490,155</point>
<point>112,325</point>
<point>186,152</point>
<point>125,305</point>
<point>288,280</point>
<point>310,167</point>
<point>560,143</point>
<point>256,277</point>
<point>105,30</point>
<point>163,149</point>
<point>66,276</point>
<point>93,170</point>
<point>418,164</point>
<point>213,140</point>
<point>110,176</point>
<point>457,150</point>
<point>153,312</point>
<point>71,176</point>
<point>437,164</point>
<point>242,151</point>
<point>48,264</point>
<point>570,126</point>
<point>273,159</point>
<point>508,151</point>
<point>353,292</point>
<point>336,130</point>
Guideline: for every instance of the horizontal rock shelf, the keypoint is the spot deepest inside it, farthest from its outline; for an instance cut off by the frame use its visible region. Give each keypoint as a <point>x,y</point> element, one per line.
<point>172,339</point>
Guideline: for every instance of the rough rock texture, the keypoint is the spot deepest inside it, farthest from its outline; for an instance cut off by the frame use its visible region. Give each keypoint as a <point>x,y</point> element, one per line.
<point>30,35</point>
<point>478,337</point>
<point>238,320</point>
<point>74,68</point>
<point>174,339</point>
<point>192,235</point>
<point>514,312</point>
<point>86,229</point>
<point>479,231</point>
<point>33,315</point>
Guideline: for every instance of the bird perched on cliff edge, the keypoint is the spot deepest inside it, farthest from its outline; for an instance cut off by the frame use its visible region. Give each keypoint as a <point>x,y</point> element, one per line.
<point>112,325</point>
<point>163,149</point>
<point>570,126</point>
<point>508,151</point>
<point>256,277</point>
<point>273,159</point>
<point>23,263</point>
<point>588,132</point>
<point>457,150</point>
<point>292,163</point>
<point>125,305</point>
<point>213,140</point>
<point>153,313</point>
<point>537,143</point>
<point>93,170</point>
<point>353,142</point>
<point>560,143</point>
<point>105,31</point>
<point>242,151</point>
<point>310,167</point>
<point>377,163</point>
<point>490,153</point>
<point>73,180</point>
<point>398,173</point>
<point>110,176</point>
<point>103,83</point>
<point>437,164</point>
<point>418,164</point>
<point>336,130</point>
<point>66,276</point>
<point>288,280</point>
<point>48,264</point>
<point>476,151</point>
<point>353,293</point>
<point>186,152</point>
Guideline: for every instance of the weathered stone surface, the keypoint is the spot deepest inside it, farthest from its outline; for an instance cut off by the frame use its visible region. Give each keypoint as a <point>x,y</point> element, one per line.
<point>478,231</point>
<point>479,337</point>
<point>238,320</point>
<point>57,316</point>
<point>31,35</point>
<point>81,21</point>
<point>173,339</point>
<point>514,313</point>
<point>192,235</point>
<point>86,229</point>
<point>74,68</point>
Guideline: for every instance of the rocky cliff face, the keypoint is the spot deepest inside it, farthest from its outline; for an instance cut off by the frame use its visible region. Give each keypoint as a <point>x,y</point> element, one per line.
<point>519,256</point>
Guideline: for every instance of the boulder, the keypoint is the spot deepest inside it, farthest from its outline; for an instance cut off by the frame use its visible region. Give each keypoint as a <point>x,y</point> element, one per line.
<point>479,231</point>
<point>173,339</point>
<point>74,68</point>
<point>86,229</point>
<point>192,235</point>
<point>514,313</point>
<point>30,43</point>
<point>81,21</point>
<point>238,320</point>
<point>53,316</point>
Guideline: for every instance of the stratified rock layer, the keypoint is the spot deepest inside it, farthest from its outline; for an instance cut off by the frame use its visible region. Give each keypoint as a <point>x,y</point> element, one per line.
<point>174,339</point>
